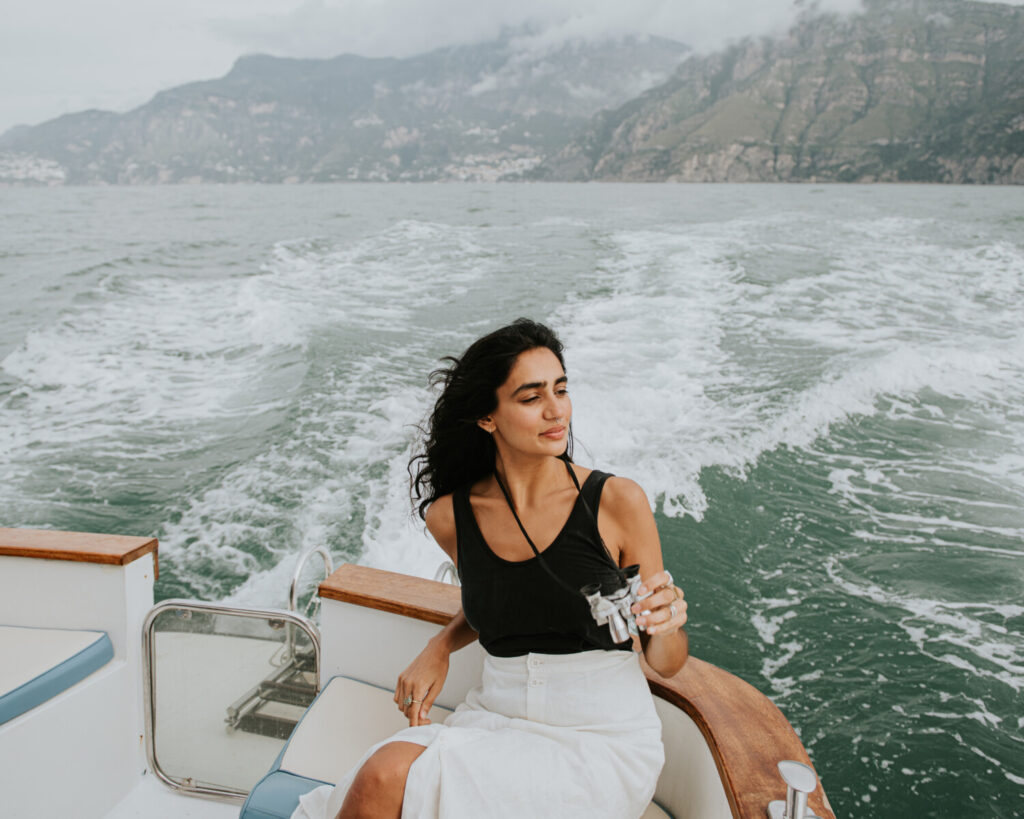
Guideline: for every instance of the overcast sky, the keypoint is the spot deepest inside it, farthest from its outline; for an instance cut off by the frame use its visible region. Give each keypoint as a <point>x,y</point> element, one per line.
<point>58,56</point>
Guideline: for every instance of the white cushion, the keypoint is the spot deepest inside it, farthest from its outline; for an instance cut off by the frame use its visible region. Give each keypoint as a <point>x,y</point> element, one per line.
<point>346,719</point>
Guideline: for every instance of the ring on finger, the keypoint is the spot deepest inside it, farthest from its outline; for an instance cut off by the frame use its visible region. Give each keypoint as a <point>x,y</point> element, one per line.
<point>672,608</point>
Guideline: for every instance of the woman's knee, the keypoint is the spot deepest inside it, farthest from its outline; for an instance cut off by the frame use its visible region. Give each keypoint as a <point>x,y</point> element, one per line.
<point>388,768</point>
<point>379,786</point>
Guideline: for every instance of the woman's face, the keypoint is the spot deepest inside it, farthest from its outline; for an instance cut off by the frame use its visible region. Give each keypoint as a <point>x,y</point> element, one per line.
<point>534,408</point>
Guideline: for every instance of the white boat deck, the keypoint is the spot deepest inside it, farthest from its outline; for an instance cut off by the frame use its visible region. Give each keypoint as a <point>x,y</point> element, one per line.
<point>152,799</point>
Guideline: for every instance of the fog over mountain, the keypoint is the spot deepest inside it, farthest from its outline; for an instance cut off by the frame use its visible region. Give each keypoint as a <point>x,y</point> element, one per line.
<point>63,56</point>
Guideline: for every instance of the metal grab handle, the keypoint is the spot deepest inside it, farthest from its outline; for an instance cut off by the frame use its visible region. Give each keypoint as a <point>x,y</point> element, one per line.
<point>444,570</point>
<point>293,591</point>
<point>800,781</point>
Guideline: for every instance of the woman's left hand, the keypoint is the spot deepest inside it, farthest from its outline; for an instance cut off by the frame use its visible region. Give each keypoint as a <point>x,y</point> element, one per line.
<point>664,611</point>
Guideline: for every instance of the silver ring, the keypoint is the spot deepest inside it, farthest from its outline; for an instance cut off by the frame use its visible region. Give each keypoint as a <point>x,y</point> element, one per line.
<point>672,608</point>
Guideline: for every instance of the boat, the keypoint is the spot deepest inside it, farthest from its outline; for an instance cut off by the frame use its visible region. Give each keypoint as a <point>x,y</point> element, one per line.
<point>112,707</point>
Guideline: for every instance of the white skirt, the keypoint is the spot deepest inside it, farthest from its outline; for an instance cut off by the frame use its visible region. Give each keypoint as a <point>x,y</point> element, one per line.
<point>567,735</point>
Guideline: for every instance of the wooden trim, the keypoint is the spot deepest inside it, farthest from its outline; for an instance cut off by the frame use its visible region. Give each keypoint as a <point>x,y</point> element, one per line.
<point>389,591</point>
<point>83,547</point>
<point>747,734</point>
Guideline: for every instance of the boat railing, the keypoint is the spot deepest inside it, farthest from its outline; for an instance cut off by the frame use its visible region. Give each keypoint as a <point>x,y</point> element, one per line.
<point>446,573</point>
<point>293,589</point>
<point>312,606</point>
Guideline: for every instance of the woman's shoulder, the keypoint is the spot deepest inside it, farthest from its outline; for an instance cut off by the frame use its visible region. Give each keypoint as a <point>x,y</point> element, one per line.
<point>440,520</point>
<point>618,494</point>
<point>623,496</point>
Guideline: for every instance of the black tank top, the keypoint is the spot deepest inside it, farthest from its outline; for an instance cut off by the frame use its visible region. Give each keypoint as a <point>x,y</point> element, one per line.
<point>516,606</point>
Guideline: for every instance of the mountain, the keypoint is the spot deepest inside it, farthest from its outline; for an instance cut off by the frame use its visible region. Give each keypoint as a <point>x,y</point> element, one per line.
<point>483,111</point>
<point>908,90</point>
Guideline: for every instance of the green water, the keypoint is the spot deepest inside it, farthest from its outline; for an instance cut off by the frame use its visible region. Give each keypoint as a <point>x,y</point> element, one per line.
<point>819,388</point>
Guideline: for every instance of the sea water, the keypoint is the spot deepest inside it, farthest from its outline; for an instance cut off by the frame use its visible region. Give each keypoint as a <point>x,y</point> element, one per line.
<point>820,389</point>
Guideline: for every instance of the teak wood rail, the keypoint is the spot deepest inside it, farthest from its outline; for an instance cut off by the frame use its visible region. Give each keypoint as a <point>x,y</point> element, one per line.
<point>746,732</point>
<point>81,547</point>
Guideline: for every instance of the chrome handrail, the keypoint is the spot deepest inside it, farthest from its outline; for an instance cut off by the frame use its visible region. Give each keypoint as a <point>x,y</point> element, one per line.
<point>148,682</point>
<point>293,590</point>
<point>444,570</point>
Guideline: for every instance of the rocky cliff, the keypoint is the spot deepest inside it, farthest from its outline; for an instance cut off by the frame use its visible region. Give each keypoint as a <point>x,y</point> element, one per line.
<point>911,90</point>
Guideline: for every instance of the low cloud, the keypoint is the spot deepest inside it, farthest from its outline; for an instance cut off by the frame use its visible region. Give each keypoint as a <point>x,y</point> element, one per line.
<point>58,56</point>
<point>401,28</point>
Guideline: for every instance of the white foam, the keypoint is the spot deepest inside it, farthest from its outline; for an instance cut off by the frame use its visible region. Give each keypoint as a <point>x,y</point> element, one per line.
<point>768,627</point>
<point>649,358</point>
<point>323,476</point>
<point>665,392</point>
<point>157,351</point>
<point>770,666</point>
<point>155,368</point>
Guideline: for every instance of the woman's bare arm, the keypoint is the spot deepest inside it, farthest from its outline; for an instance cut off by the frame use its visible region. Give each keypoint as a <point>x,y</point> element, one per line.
<point>424,678</point>
<point>440,521</point>
<point>626,512</point>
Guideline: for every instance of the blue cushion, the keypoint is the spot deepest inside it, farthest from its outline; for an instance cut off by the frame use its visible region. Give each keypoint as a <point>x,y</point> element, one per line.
<point>56,679</point>
<point>276,795</point>
<point>277,762</point>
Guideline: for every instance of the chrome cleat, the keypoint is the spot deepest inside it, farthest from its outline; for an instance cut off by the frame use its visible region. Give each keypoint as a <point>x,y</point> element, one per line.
<point>800,782</point>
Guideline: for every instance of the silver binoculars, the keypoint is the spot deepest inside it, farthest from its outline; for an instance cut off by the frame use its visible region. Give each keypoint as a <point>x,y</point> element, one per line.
<point>613,606</point>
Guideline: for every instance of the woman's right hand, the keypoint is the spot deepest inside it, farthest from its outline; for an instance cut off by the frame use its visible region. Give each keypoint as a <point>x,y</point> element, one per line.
<point>422,681</point>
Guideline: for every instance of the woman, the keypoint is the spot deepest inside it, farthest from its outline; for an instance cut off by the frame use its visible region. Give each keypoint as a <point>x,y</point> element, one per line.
<point>563,723</point>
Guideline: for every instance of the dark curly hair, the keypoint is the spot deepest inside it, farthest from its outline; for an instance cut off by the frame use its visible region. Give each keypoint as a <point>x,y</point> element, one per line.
<point>456,450</point>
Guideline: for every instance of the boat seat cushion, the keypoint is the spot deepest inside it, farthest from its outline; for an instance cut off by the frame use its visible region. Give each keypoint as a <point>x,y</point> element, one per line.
<point>276,795</point>
<point>319,751</point>
<point>40,663</point>
<point>368,714</point>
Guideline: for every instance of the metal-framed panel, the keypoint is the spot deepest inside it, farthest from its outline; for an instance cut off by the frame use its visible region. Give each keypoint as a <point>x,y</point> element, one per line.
<point>227,637</point>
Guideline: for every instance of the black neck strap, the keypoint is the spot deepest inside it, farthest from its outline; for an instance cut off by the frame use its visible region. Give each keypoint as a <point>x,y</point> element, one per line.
<point>543,563</point>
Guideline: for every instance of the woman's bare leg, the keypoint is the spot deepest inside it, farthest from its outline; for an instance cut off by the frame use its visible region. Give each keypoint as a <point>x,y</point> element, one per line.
<point>379,786</point>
